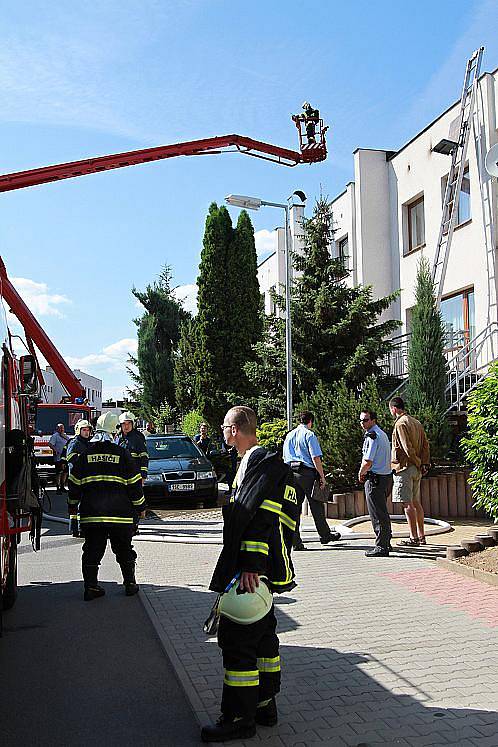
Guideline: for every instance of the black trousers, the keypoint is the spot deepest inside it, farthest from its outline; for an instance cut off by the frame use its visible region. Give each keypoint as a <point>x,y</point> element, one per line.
<point>377,489</point>
<point>95,544</point>
<point>304,480</point>
<point>252,664</point>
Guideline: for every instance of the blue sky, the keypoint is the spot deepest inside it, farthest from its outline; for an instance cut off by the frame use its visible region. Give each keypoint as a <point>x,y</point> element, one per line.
<point>79,79</point>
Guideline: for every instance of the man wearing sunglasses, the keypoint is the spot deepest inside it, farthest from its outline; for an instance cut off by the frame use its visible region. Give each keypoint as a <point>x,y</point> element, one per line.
<point>375,472</point>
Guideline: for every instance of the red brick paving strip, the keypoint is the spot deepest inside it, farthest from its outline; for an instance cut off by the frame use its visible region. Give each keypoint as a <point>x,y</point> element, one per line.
<point>476,599</point>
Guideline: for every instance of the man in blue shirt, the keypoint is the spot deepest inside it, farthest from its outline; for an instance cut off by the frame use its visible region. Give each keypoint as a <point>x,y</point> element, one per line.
<point>375,472</point>
<point>303,454</point>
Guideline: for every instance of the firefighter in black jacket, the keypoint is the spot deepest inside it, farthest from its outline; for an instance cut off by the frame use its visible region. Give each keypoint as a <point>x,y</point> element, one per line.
<point>259,523</point>
<point>108,488</point>
<point>134,442</point>
<point>77,446</point>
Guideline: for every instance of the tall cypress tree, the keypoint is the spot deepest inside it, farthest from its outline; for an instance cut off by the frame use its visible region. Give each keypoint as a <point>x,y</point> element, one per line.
<point>213,301</point>
<point>426,360</point>
<point>427,376</point>
<point>244,324</point>
<point>229,320</point>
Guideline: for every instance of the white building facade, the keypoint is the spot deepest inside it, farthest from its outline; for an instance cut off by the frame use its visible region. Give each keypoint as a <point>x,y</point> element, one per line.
<point>53,391</point>
<point>390,216</point>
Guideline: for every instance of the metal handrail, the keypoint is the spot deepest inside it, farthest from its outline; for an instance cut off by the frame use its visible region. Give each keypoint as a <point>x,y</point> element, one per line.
<point>468,366</point>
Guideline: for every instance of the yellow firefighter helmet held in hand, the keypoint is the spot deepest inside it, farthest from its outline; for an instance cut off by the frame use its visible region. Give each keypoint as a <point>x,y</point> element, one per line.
<point>108,423</point>
<point>244,607</point>
<point>127,416</point>
<point>81,424</point>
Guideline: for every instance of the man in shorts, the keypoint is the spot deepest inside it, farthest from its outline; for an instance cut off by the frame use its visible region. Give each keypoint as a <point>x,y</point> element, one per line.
<point>410,460</point>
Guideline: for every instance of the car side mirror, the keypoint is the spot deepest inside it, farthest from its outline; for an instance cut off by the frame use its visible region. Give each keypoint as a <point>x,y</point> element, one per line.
<point>29,380</point>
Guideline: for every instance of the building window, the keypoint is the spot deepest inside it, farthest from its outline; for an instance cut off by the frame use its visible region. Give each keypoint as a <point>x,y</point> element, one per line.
<point>416,225</point>
<point>459,319</point>
<point>344,253</point>
<point>463,211</point>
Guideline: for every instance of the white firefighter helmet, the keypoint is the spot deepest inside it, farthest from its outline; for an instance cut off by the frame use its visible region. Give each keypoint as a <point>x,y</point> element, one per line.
<point>244,607</point>
<point>108,422</point>
<point>127,416</point>
<point>81,424</point>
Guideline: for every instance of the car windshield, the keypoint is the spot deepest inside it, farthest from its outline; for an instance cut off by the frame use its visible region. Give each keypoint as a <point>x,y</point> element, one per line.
<point>171,448</point>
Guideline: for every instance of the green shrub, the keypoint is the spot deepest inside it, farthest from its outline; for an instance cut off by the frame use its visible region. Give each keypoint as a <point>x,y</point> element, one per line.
<point>337,413</point>
<point>163,415</point>
<point>272,434</point>
<point>481,444</point>
<point>191,423</point>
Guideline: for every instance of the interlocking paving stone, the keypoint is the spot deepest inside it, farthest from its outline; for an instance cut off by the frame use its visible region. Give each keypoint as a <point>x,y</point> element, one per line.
<point>373,653</point>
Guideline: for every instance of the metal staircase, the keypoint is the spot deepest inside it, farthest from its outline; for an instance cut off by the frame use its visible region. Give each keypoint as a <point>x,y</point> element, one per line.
<point>467,365</point>
<point>470,365</point>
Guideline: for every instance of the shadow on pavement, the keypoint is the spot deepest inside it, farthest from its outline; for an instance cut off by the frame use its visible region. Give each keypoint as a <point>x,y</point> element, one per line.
<point>87,673</point>
<point>337,698</point>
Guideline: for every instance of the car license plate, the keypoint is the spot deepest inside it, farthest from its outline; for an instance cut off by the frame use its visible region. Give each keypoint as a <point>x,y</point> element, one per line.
<point>182,486</point>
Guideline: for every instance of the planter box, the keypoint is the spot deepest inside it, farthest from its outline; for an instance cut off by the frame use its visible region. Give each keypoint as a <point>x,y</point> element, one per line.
<point>447,495</point>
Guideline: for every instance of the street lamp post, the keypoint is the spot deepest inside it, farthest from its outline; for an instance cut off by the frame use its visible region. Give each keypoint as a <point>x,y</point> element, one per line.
<point>254,203</point>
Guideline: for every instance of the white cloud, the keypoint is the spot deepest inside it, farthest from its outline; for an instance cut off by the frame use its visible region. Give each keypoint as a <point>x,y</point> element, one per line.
<point>266,243</point>
<point>187,294</point>
<point>37,296</point>
<point>111,359</point>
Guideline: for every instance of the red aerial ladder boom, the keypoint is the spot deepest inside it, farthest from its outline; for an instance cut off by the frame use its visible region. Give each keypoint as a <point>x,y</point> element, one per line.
<point>35,333</point>
<point>310,153</point>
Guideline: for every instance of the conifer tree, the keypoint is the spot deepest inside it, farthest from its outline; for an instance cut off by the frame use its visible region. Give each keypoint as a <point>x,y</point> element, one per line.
<point>426,359</point>
<point>228,321</point>
<point>158,335</point>
<point>184,367</point>
<point>213,312</point>
<point>336,333</point>
<point>244,324</point>
<point>427,376</point>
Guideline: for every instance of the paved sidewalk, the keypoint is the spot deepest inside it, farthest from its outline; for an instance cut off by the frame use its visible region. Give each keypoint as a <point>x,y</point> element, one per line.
<point>391,651</point>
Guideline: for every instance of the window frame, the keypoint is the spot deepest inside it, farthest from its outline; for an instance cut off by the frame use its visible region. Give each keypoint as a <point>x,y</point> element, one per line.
<point>459,223</point>
<point>340,255</point>
<point>409,208</point>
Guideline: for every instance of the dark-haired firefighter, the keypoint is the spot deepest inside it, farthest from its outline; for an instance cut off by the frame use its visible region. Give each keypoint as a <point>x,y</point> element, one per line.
<point>259,523</point>
<point>108,487</point>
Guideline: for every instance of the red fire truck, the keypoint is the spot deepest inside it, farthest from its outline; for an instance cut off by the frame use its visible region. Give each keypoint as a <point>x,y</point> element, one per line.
<point>47,416</point>
<point>20,510</point>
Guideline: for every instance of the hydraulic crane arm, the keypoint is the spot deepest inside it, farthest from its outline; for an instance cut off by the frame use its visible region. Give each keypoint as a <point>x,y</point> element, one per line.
<point>38,335</point>
<point>221,144</point>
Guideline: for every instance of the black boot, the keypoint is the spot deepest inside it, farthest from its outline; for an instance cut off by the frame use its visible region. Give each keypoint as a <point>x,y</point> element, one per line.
<point>267,715</point>
<point>130,584</point>
<point>92,589</point>
<point>226,729</point>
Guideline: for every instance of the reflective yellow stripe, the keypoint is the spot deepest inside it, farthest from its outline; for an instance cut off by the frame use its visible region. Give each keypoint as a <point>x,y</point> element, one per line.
<point>287,521</point>
<point>241,679</point>
<point>275,508</point>
<point>250,546</point>
<point>136,478</point>
<point>106,520</point>
<point>288,574</point>
<point>137,454</point>
<point>266,664</point>
<point>102,478</point>
<point>139,502</point>
<point>74,479</point>
<point>71,455</point>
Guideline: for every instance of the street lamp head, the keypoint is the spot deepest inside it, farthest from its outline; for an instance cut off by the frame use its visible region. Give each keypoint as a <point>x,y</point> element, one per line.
<point>300,195</point>
<point>241,201</point>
